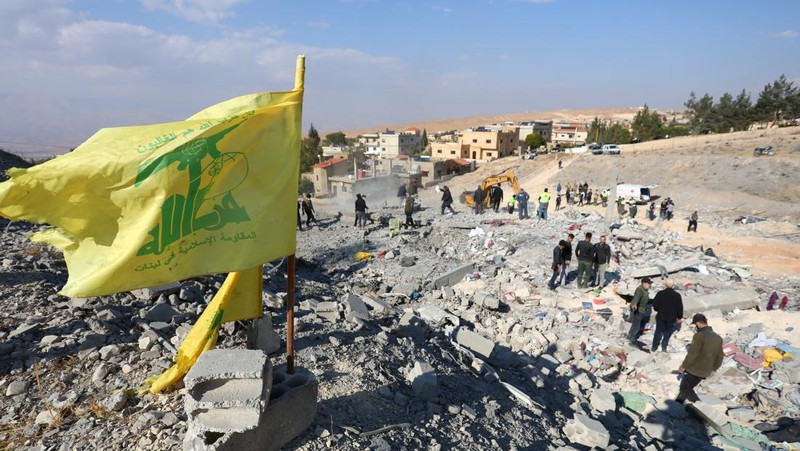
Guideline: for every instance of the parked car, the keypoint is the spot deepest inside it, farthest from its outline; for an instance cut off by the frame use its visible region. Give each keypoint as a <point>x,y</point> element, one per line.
<point>768,151</point>
<point>611,149</point>
<point>530,155</point>
<point>595,149</point>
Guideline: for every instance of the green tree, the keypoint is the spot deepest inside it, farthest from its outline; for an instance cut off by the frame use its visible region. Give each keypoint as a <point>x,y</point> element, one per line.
<point>336,139</point>
<point>742,111</point>
<point>778,101</point>
<point>313,135</point>
<point>310,150</point>
<point>424,140</point>
<point>647,124</point>
<point>674,129</point>
<point>607,133</point>
<point>700,113</point>
<point>724,115</point>
<point>306,186</point>
<point>534,141</point>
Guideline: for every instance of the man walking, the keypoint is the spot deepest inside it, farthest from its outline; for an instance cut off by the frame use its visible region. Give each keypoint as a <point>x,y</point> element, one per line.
<point>478,196</point>
<point>447,200</point>
<point>401,193</point>
<point>584,251</point>
<point>308,210</point>
<point>408,208</point>
<point>522,204</point>
<point>566,252</point>
<point>704,357</point>
<point>544,202</point>
<point>693,222</point>
<point>496,196</point>
<point>668,305</point>
<point>638,308</point>
<point>558,261</point>
<point>602,257</point>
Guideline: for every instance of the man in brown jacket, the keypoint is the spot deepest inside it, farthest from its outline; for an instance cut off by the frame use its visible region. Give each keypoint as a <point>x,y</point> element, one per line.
<point>704,357</point>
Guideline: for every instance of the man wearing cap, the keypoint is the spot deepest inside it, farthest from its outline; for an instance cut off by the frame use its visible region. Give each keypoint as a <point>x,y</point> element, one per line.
<point>638,308</point>
<point>704,357</point>
<point>669,305</point>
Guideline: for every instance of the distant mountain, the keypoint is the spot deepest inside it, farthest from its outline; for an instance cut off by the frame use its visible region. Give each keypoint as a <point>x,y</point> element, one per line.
<point>8,161</point>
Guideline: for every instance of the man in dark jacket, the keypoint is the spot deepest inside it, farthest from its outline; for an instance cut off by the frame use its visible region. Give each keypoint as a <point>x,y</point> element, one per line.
<point>408,207</point>
<point>308,210</point>
<point>361,211</point>
<point>478,196</point>
<point>447,200</point>
<point>496,196</point>
<point>704,357</point>
<point>638,308</point>
<point>567,253</point>
<point>669,307</point>
<point>522,203</point>
<point>584,251</point>
<point>602,257</point>
<point>558,261</point>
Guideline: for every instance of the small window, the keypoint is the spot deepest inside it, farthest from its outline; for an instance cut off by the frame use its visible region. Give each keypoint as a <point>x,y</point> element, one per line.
<point>317,176</point>
<point>452,152</point>
<point>474,140</point>
<point>488,141</point>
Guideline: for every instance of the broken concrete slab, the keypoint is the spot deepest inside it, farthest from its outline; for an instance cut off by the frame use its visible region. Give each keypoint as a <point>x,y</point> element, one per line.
<point>153,292</point>
<point>602,401</point>
<point>476,343</point>
<point>486,300</point>
<point>726,301</point>
<point>423,380</point>
<point>412,326</point>
<point>668,267</point>
<point>454,276</point>
<point>262,335</point>
<point>378,305</point>
<point>355,308</point>
<point>586,431</point>
<point>437,316</point>
<point>626,235</point>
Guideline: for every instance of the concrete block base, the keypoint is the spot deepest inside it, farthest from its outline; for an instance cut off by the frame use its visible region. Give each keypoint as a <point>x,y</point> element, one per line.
<point>291,410</point>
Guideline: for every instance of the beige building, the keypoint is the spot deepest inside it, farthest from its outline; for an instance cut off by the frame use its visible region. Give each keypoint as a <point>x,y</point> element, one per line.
<point>479,144</point>
<point>324,171</point>
<point>571,134</point>
<point>391,143</point>
<point>543,128</point>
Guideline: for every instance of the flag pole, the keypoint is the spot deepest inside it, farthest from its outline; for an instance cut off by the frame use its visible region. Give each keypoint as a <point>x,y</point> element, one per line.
<point>299,82</point>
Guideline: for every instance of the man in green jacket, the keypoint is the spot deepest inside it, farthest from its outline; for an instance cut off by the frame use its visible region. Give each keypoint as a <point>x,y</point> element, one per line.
<point>638,308</point>
<point>704,357</point>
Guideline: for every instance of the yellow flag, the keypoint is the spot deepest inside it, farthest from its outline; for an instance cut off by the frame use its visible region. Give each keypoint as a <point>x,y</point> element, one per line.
<point>202,337</point>
<point>245,300</point>
<point>142,206</point>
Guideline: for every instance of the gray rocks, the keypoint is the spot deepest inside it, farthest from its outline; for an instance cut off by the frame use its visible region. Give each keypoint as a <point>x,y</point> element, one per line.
<point>586,431</point>
<point>17,387</point>
<point>423,380</point>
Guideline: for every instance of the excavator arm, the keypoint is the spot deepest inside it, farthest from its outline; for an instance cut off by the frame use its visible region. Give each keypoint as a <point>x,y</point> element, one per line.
<point>467,197</point>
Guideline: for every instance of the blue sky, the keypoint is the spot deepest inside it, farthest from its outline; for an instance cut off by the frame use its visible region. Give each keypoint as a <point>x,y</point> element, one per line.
<point>71,67</point>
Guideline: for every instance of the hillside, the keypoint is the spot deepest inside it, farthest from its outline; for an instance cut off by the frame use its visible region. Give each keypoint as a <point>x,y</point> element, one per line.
<point>583,116</point>
<point>8,161</point>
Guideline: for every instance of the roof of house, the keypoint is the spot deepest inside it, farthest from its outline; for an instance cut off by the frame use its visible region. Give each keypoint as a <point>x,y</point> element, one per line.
<point>329,163</point>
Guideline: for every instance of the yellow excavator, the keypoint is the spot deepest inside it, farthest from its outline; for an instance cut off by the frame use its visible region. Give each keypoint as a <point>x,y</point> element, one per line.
<point>505,177</point>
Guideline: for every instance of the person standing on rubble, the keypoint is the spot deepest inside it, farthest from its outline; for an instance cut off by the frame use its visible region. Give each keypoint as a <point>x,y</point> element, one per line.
<point>447,200</point>
<point>693,222</point>
<point>602,257</point>
<point>522,203</point>
<point>584,251</point>
<point>544,202</point>
<point>669,307</point>
<point>638,307</point>
<point>361,211</point>
<point>401,193</point>
<point>567,253</point>
<point>704,357</point>
<point>478,196</point>
<point>558,263</point>
<point>299,219</point>
<point>670,209</point>
<point>409,210</point>
<point>496,196</point>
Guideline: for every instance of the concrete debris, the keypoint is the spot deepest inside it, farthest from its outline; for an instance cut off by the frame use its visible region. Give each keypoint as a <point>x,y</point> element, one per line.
<point>586,431</point>
<point>423,380</point>
<point>476,343</point>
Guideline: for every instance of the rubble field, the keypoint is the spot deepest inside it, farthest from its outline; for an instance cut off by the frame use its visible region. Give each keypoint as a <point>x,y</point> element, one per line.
<point>447,336</point>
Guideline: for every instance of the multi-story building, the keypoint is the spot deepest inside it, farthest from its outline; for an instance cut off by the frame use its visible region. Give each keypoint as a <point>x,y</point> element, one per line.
<point>543,128</point>
<point>570,134</point>
<point>479,144</point>
<point>407,142</point>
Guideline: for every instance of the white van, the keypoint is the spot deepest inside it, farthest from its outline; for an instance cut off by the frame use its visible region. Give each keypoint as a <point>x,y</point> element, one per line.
<point>640,193</point>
